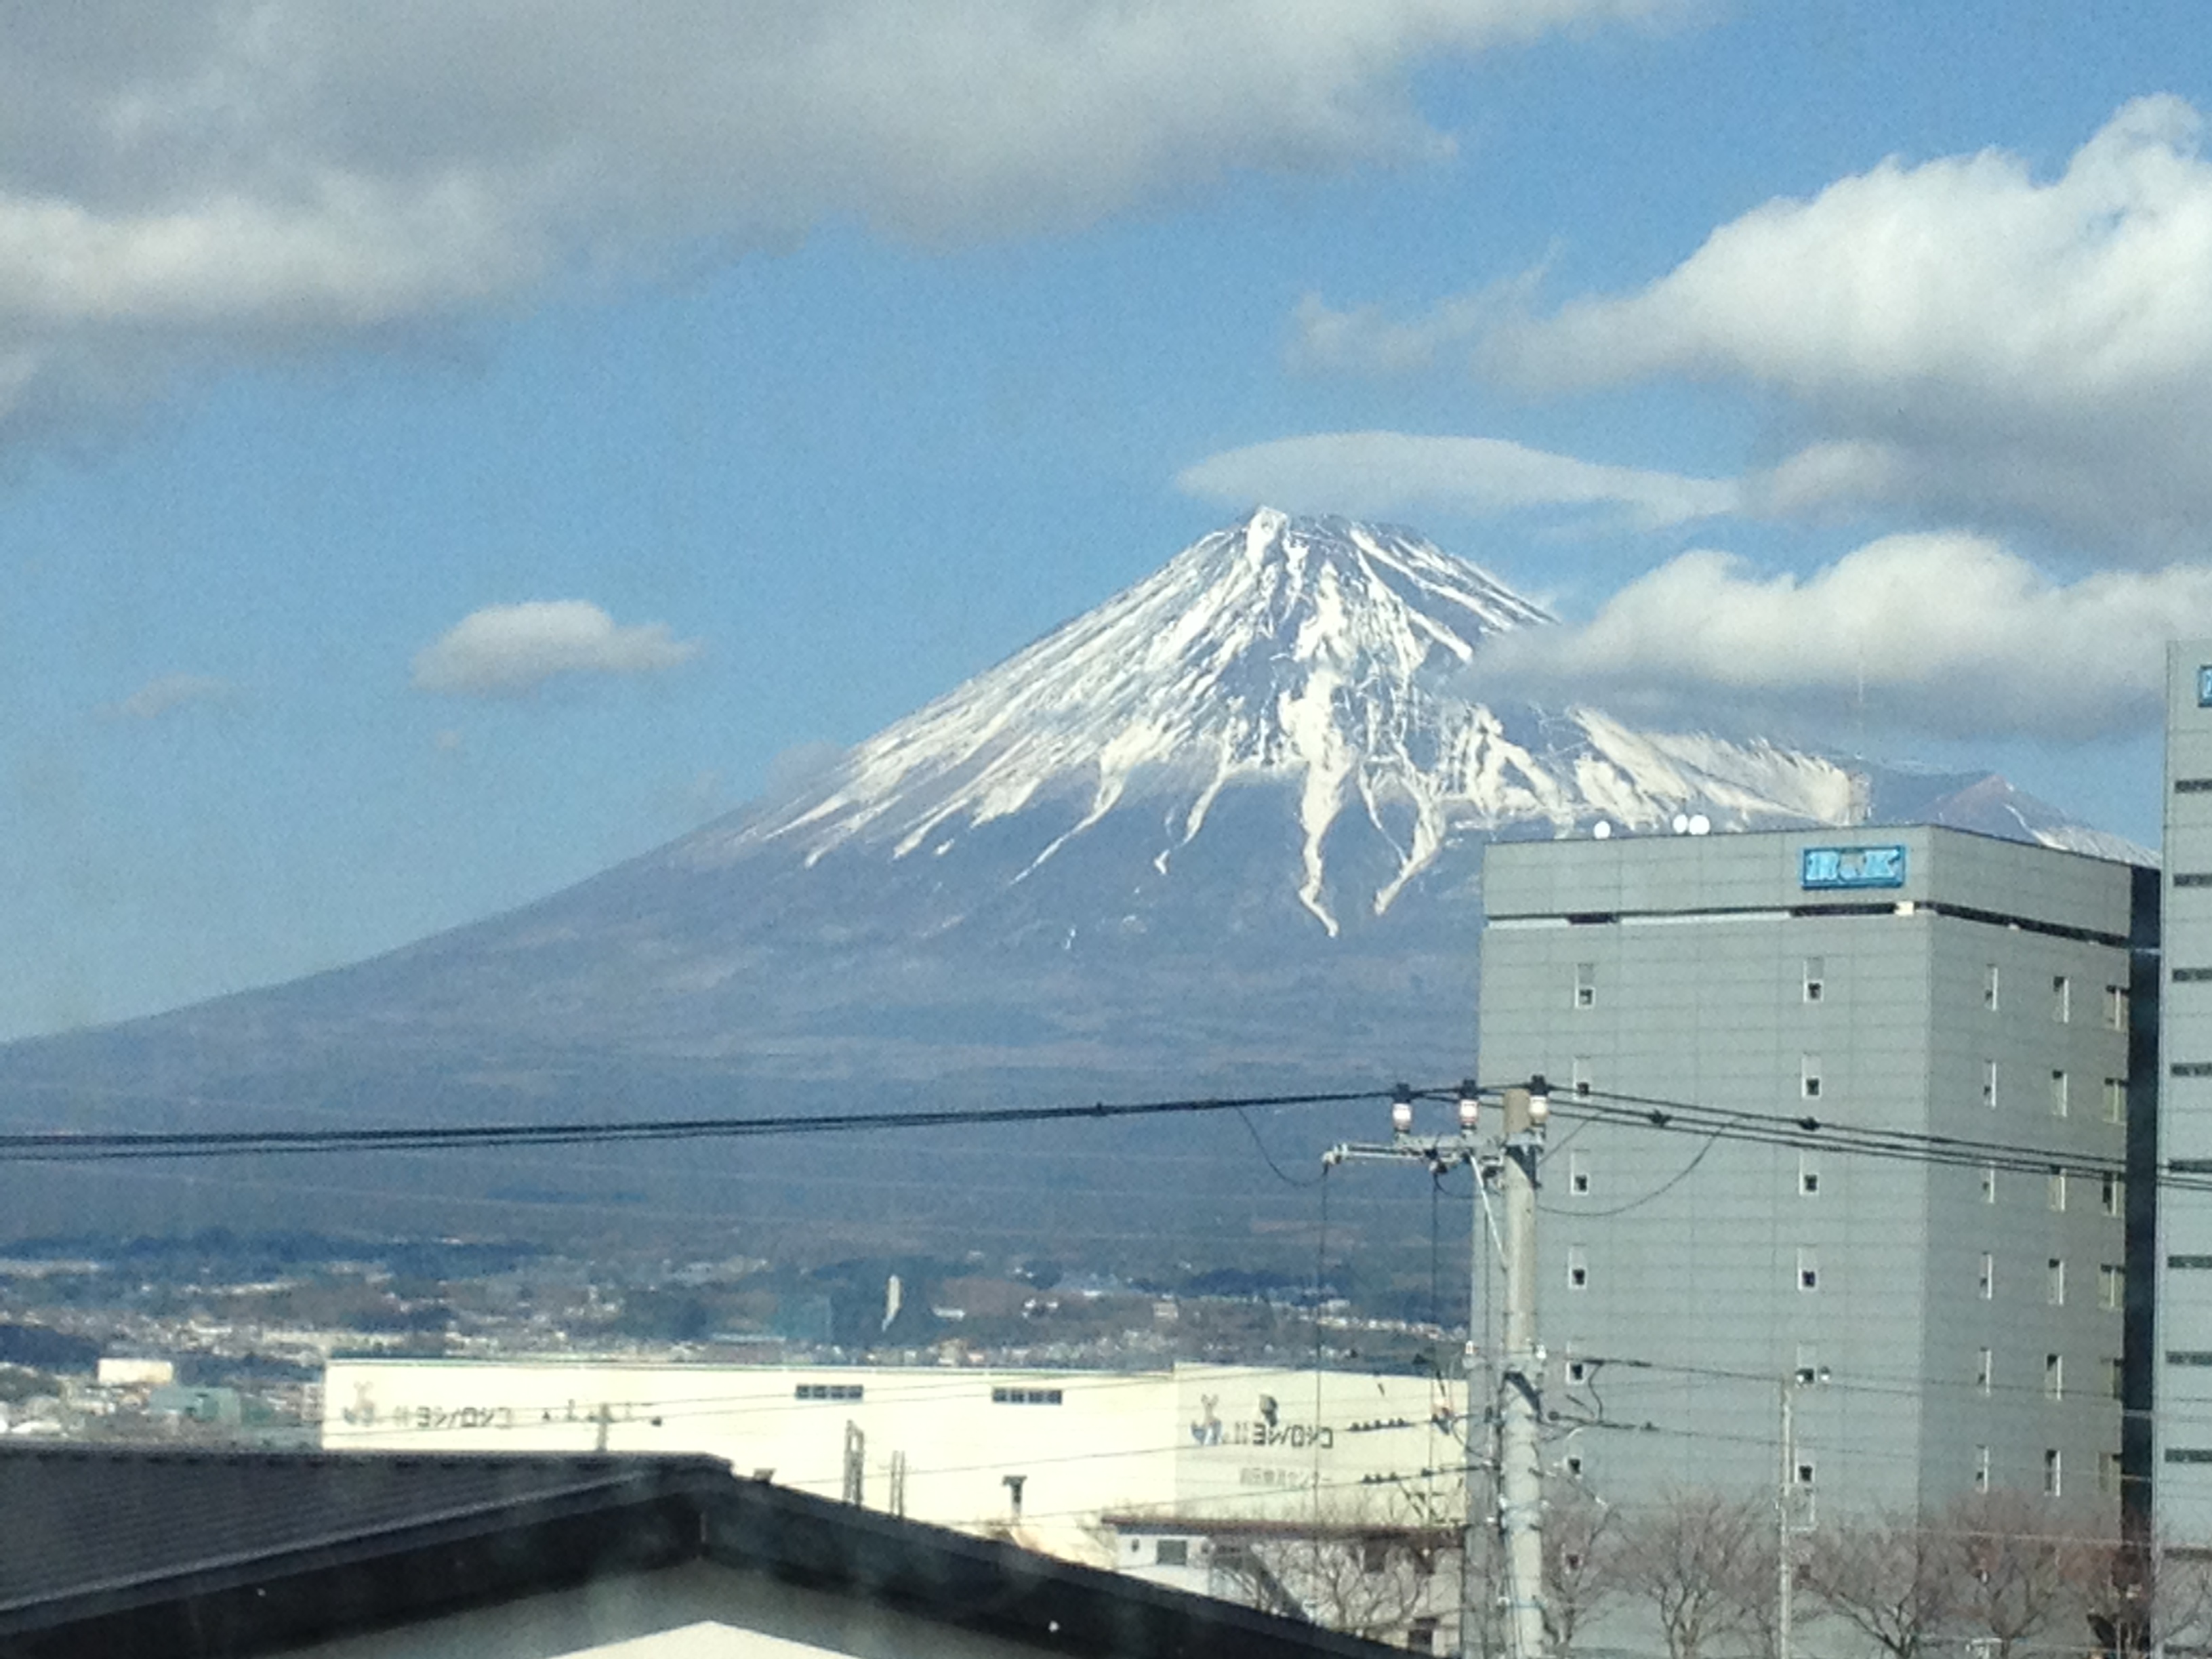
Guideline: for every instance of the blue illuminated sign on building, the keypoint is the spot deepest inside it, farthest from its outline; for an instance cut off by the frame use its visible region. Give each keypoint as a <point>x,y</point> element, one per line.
<point>1851,866</point>
<point>2204,687</point>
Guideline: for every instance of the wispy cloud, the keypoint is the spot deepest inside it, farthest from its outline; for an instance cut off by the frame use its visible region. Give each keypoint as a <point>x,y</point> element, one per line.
<point>1946,634</point>
<point>174,694</point>
<point>200,180</point>
<point>1378,474</point>
<point>507,650</point>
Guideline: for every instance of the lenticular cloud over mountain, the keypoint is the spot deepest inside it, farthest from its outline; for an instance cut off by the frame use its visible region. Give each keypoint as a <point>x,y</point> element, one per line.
<point>1222,834</point>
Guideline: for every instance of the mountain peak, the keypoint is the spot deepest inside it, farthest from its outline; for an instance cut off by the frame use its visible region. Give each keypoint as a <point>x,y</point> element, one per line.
<point>1331,586</point>
<point>1325,656</point>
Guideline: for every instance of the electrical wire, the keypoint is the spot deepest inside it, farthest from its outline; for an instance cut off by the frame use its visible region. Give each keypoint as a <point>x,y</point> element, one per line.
<point>1658,1192</point>
<point>1244,1117</point>
<point>37,1146</point>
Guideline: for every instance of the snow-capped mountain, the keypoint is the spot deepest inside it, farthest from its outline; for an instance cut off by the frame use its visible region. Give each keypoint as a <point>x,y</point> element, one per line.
<point>1339,661</point>
<point>1222,834</point>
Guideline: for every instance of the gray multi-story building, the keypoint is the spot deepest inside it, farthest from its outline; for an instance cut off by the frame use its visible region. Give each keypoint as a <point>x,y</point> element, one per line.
<point>2183,1434</point>
<point>1941,1326</point>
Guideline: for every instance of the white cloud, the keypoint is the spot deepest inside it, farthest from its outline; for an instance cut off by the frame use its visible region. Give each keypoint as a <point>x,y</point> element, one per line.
<point>504,650</point>
<point>171,694</point>
<point>1948,634</point>
<point>186,181</point>
<point>1381,473</point>
<point>1960,337</point>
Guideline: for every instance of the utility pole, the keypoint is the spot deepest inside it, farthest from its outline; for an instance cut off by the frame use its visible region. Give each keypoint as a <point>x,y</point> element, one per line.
<point>1511,1165</point>
<point>1520,1413</point>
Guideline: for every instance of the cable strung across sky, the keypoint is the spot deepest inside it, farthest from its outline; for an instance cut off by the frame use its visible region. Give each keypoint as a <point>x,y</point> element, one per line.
<point>1636,1111</point>
<point>62,1146</point>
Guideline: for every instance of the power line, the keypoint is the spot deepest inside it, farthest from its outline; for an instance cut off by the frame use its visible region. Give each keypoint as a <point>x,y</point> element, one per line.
<point>75,1147</point>
<point>1808,1132</point>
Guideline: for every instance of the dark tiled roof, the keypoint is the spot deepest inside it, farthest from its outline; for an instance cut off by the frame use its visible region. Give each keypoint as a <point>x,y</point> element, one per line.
<point>79,1521</point>
<point>127,1553</point>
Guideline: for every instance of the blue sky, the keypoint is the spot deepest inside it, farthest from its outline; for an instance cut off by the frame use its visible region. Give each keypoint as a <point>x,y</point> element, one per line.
<point>441,456</point>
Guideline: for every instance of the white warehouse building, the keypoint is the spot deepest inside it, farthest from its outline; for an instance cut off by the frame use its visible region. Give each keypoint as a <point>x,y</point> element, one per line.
<point>1039,1456</point>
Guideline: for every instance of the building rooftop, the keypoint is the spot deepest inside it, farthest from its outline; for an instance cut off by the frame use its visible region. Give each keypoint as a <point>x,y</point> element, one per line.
<point>128,1551</point>
<point>1819,871</point>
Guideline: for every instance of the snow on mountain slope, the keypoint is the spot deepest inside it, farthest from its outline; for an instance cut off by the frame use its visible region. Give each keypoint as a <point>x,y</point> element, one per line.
<point>1334,658</point>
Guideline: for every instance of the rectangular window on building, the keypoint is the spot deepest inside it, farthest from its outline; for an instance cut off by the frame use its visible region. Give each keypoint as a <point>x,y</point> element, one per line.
<point>2115,1100</point>
<point>1580,1076</point>
<point>827,1391</point>
<point>1808,1364</point>
<point>2062,998</point>
<point>2108,1473</point>
<point>1989,1184</point>
<point>1808,1173</point>
<point>1025,1396</point>
<point>2053,1473</point>
<point>1806,1471</point>
<point>1578,1173</point>
<point>2054,1376</point>
<point>1586,985</point>
<point>1578,1268</point>
<point>2111,1195</point>
<point>2111,1288</point>
<point>1808,1270</point>
<point>2116,1007</point>
<point>1172,1552</point>
<point>2058,1094</point>
<point>1578,1370</point>
<point>2055,1188</point>
<point>1989,987</point>
<point>2055,1282</point>
<point>1981,1469</point>
<point>1989,1280</point>
<point>1808,1076</point>
<point>1990,1083</point>
<point>1816,978</point>
<point>2116,1377</point>
<point>1986,1370</point>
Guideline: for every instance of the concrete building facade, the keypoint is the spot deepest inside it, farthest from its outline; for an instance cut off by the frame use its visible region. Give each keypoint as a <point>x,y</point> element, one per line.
<point>2183,1395</point>
<point>1940,1327</point>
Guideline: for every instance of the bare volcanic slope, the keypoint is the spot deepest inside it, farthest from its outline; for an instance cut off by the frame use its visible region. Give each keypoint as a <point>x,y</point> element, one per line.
<point>1221,833</point>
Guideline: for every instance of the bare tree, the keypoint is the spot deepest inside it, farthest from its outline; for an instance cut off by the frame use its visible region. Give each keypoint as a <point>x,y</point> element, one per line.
<point>1887,1578</point>
<point>2011,1571</point>
<point>2139,1599</point>
<point>1348,1568</point>
<point>1581,1570</point>
<point>1694,1557</point>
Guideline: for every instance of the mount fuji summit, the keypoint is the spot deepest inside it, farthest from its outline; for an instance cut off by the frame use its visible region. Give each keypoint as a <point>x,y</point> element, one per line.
<point>1222,834</point>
